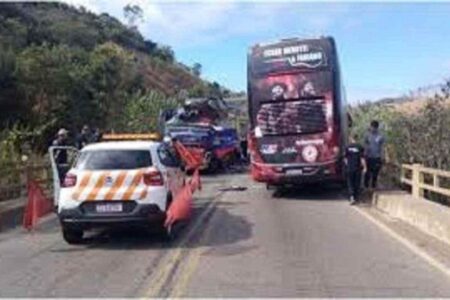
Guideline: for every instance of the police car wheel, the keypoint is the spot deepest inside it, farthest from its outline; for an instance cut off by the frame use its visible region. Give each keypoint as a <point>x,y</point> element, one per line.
<point>72,236</point>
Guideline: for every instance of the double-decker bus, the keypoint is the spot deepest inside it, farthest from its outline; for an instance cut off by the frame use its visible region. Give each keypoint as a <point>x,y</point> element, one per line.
<point>297,112</point>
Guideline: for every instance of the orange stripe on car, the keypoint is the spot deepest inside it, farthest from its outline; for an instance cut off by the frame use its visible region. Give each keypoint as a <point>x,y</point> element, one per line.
<point>137,177</point>
<point>83,184</point>
<point>116,186</point>
<point>100,183</point>
<point>143,194</point>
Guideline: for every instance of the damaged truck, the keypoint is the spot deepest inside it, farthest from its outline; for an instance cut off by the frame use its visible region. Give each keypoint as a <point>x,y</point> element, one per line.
<point>201,125</point>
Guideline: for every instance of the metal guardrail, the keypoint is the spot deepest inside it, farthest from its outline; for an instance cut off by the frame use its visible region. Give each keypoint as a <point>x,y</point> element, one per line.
<point>422,179</point>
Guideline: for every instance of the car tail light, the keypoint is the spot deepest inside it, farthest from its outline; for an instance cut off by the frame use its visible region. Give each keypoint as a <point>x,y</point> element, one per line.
<point>153,178</point>
<point>70,180</point>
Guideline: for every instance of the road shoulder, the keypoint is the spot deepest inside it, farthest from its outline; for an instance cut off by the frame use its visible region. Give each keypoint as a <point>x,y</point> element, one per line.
<point>427,247</point>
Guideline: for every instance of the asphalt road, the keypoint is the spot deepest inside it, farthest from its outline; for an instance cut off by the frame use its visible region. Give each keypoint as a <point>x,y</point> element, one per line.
<point>306,243</point>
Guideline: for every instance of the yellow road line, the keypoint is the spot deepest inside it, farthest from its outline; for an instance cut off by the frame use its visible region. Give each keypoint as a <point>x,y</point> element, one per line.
<point>410,245</point>
<point>190,265</point>
<point>186,274</point>
<point>164,268</point>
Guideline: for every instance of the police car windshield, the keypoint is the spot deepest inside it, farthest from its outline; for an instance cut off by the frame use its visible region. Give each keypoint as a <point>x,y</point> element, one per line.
<point>113,160</point>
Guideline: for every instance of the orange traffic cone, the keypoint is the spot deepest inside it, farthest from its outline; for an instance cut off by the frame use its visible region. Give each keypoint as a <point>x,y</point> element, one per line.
<point>181,207</point>
<point>37,206</point>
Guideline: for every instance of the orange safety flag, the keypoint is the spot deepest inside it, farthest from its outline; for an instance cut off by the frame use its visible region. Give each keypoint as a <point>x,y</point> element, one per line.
<point>192,157</point>
<point>37,206</point>
<point>181,207</point>
<point>195,182</point>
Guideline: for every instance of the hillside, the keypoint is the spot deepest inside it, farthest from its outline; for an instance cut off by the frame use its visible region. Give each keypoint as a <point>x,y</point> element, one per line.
<point>62,66</point>
<point>416,101</point>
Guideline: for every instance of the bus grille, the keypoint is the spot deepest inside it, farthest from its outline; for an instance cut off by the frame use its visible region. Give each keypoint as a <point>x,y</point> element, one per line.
<point>292,118</point>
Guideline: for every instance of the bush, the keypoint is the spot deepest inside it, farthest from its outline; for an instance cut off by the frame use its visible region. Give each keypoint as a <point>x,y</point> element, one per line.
<point>419,137</point>
<point>141,113</point>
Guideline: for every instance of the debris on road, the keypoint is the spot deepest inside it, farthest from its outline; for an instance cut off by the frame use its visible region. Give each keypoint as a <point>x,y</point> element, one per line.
<point>236,188</point>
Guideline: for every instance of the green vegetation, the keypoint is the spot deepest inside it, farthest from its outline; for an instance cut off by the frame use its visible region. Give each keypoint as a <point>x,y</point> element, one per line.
<point>415,137</point>
<point>64,67</point>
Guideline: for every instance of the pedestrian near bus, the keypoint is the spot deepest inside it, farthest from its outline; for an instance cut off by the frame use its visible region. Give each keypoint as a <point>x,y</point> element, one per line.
<point>373,143</point>
<point>355,165</point>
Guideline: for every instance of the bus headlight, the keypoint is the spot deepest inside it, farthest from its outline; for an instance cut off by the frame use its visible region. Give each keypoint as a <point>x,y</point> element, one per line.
<point>310,153</point>
<point>336,150</point>
<point>258,132</point>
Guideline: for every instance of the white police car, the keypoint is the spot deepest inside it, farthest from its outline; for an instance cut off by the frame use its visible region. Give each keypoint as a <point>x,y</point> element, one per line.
<point>118,183</point>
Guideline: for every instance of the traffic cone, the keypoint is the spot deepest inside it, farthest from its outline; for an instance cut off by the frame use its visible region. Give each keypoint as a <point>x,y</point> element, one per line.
<point>181,207</point>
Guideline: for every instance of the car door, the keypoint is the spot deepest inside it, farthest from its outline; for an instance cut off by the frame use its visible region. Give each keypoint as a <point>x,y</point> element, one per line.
<point>174,169</point>
<point>59,169</point>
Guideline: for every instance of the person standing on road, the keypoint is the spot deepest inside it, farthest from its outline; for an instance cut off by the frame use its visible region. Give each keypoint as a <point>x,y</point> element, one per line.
<point>97,135</point>
<point>373,142</point>
<point>61,158</point>
<point>355,164</point>
<point>84,137</point>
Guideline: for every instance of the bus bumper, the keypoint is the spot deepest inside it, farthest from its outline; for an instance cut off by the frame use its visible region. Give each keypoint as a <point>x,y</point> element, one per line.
<point>295,174</point>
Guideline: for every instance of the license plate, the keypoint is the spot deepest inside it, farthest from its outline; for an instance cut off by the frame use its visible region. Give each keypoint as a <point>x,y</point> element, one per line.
<point>109,208</point>
<point>294,172</point>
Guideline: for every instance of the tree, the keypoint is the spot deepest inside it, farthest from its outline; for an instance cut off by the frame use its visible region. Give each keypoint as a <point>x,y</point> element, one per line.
<point>141,113</point>
<point>197,69</point>
<point>165,53</point>
<point>133,14</point>
<point>197,91</point>
<point>114,76</point>
<point>215,89</point>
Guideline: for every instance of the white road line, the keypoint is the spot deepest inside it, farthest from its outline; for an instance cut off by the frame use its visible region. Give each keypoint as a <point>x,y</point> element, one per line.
<point>410,245</point>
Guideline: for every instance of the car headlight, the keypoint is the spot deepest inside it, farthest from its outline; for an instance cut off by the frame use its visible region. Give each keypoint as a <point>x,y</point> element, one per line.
<point>310,153</point>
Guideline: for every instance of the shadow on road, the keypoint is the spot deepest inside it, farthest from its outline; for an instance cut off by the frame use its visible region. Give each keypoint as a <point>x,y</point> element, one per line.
<point>316,192</point>
<point>223,232</point>
<point>209,234</point>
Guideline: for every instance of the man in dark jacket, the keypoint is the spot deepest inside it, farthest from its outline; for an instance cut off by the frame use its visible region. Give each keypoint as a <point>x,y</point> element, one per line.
<point>355,165</point>
<point>61,158</point>
<point>84,138</point>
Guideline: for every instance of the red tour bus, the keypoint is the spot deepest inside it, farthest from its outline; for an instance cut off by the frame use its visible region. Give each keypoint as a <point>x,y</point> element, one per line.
<point>297,112</point>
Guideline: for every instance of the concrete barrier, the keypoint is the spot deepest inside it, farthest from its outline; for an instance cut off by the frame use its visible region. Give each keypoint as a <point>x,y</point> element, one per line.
<point>432,218</point>
<point>11,213</point>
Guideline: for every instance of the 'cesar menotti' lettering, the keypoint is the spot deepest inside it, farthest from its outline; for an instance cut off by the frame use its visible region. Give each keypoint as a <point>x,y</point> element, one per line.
<point>300,55</point>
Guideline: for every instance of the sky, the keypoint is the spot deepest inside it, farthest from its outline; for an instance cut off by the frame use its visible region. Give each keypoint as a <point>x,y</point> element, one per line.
<point>385,49</point>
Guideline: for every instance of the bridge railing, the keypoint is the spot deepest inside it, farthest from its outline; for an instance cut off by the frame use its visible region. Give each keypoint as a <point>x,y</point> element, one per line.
<point>423,180</point>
